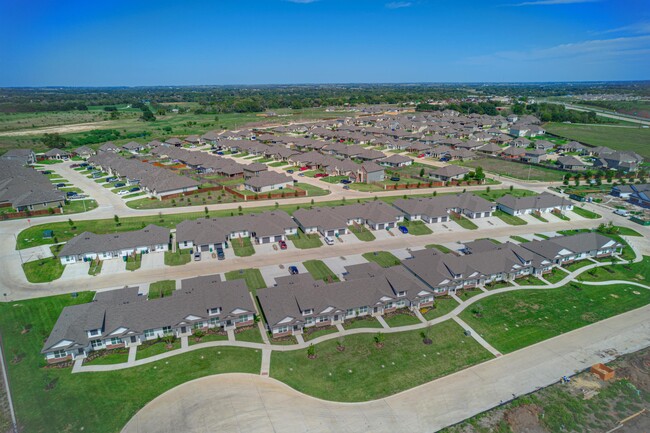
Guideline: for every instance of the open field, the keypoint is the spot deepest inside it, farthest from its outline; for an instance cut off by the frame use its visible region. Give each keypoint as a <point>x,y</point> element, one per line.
<point>102,402</point>
<point>512,320</point>
<point>514,169</point>
<point>364,372</point>
<point>618,138</point>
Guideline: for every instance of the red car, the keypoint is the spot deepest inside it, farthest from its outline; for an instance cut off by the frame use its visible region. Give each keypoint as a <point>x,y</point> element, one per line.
<point>421,155</point>
<point>283,245</point>
<point>304,168</point>
<point>321,175</point>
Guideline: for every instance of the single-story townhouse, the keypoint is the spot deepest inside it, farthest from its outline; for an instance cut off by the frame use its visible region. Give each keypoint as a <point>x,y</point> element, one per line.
<point>84,152</point>
<point>124,318</point>
<point>542,203</point>
<point>26,189</point>
<point>571,163</point>
<point>88,246</point>
<point>254,169</point>
<point>58,154</point>
<point>24,156</point>
<point>298,302</point>
<point>437,209</point>
<point>635,194</point>
<point>534,155</point>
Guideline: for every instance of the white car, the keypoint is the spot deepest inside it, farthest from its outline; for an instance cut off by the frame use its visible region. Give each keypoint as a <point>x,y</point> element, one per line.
<point>124,191</point>
<point>329,240</point>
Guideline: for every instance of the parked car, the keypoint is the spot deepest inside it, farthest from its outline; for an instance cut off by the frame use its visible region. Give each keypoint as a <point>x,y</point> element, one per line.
<point>74,165</point>
<point>122,192</point>
<point>301,174</point>
<point>134,189</point>
<point>60,185</point>
<point>421,155</point>
<point>293,270</point>
<point>328,240</point>
<point>290,171</point>
<point>622,212</point>
<point>321,175</point>
<point>111,179</point>
<point>346,181</point>
<point>403,229</point>
<point>220,153</point>
<point>197,256</point>
<point>304,168</point>
<point>119,185</point>
<point>395,179</point>
<point>71,194</point>
<point>283,245</point>
<point>444,159</point>
<point>220,254</point>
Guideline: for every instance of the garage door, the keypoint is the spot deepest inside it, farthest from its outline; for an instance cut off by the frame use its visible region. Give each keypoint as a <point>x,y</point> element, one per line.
<point>330,232</point>
<point>391,225</point>
<point>486,214</point>
<point>278,238</point>
<point>205,247</point>
<point>380,226</point>
<point>265,240</point>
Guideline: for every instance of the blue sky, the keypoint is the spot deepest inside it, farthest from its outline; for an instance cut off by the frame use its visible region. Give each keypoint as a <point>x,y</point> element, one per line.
<point>191,42</point>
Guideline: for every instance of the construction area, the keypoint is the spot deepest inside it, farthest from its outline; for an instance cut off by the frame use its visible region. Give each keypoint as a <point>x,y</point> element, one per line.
<point>612,398</point>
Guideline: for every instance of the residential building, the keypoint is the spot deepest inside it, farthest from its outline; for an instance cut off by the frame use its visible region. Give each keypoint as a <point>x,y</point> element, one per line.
<point>542,203</point>
<point>267,181</point>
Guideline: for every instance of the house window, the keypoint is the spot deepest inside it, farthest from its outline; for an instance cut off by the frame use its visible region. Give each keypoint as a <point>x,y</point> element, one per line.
<point>401,303</point>
<point>96,344</point>
<point>167,329</point>
<point>116,340</point>
<point>306,312</point>
<point>322,319</point>
<point>94,332</point>
<point>363,310</point>
<point>59,354</point>
<point>281,329</point>
<point>401,294</point>
<point>309,320</point>
<point>198,325</point>
<point>389,305</point>
<point>243,318</point>
<point>215,310</point>
<point>148,333</point>
<point>214,321</point>
<point>349,312</point>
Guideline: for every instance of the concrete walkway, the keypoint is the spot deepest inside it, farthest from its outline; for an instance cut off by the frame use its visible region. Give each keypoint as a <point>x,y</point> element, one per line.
<point>250,403</point>
<point>475,335</point>
<point>265,370</point>
<point>382,322</point>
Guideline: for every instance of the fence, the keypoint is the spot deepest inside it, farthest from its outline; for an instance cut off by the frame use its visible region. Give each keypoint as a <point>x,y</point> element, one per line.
<point>26,214</point>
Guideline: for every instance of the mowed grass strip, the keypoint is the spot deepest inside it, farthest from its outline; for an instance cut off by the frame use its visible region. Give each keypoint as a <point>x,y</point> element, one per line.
<point>512,220</point>
<point>586,213</point>
<point>416,228</point>
<point>362,233</point>
<point>319,270</point>
<point>364,372</point>
<point>382,258</point>
<point>253,277</point>
<point>162,289</point>
<point>304,241</point>
<point>102,402</point>
<point>513,320</point>
<point>44,270</point>
<point>242,247</point>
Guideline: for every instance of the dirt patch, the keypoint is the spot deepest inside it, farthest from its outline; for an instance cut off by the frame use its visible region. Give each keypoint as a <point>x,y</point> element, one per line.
<point>524,419</point>
<point>63,129</point>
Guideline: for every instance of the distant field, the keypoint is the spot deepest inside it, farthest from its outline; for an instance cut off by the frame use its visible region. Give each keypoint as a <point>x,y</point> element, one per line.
<point>616,137</point>
<point>514,169</point>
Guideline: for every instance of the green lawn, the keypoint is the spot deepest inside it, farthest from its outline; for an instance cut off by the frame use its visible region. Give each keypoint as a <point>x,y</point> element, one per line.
<point>180,257</point>
<point>44,270</point>
<point>315,332</point>
<point>542,236</point>
<point>514,169</point>
<point>242,247</point>
<point>519,239</point>
<point>441,248</point>
<point>469,293</point>
<point>463,222</point>
<point>586,213</point>
<point>362,322</point>
<point>116,396</point>
<point>497,285</point>
<point>356,374</point>
<point>577,265</point>
<point>305,241</point>
<point>162,289</point>
<point>629,138</point>
<point>509,219</point>
<point>312,191</point>
<point>95,267</point>
<point>251,335</point>
<point>512,320</point>
<point>362,232</point>
<point>530,280</point>
<point>278,164</point>
<point>115,356</point>
<point>401,319</point>
<point>416,228</point>
<point>253,278</point>
<point>441,306</point>
<point>156,348</point>
<point>133,262</point>
<point>555,276</point>
<point>320,271</point>
<point>382,258</point>
<point>540,218</point>
<point>206,338</point>
<point>639,272</point>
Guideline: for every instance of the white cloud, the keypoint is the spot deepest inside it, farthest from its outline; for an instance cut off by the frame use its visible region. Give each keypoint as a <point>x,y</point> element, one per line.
<point>636,28</point>
<point>552,2</point>
<point>592,50</point>
<point>398,5</point>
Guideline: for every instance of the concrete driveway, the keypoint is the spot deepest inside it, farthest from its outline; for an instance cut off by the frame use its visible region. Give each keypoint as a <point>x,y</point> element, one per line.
<point>113,266</point>
<point>270,273</point>
<point>154,261</point>
<point>77,270</point>
<point>338,264</point>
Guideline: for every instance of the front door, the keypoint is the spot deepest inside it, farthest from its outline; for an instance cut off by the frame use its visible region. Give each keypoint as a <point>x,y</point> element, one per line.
<point>183,329</point>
